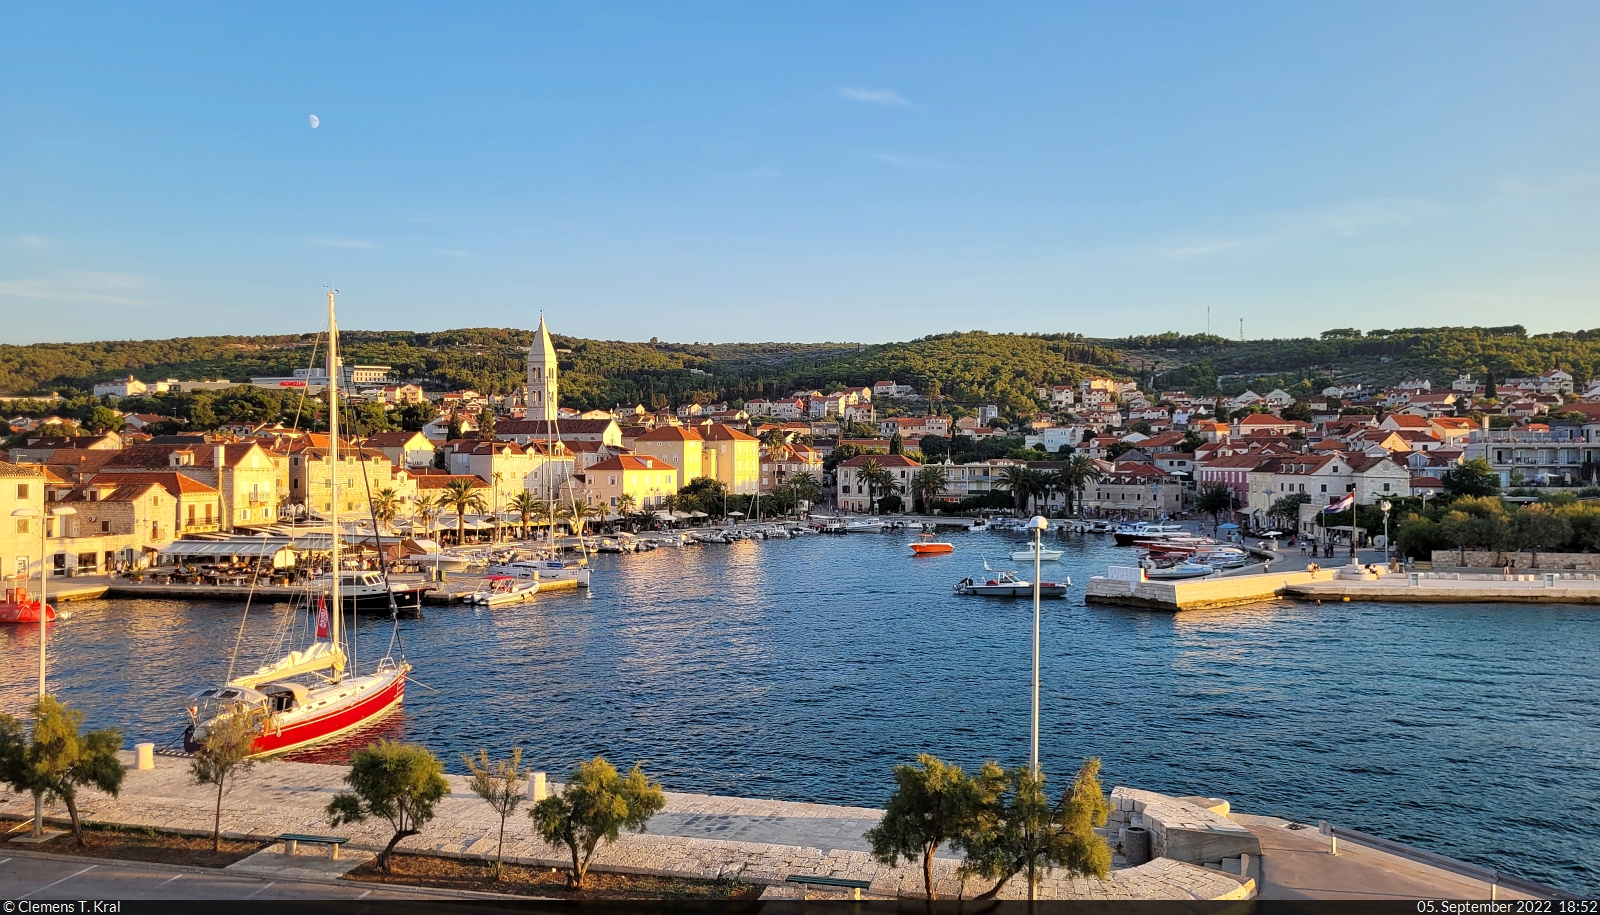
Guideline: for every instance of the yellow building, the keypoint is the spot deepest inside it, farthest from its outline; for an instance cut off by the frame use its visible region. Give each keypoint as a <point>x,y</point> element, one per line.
<point>647,479</point>
<point>738,458</point>
<point>681,446</point>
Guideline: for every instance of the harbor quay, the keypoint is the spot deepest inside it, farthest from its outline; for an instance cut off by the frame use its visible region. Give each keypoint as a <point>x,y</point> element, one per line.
<point>1348,583</point>
<point>1201,849</point>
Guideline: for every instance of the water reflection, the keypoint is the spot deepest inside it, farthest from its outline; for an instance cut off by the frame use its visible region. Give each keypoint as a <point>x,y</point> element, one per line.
<point>802,669</point>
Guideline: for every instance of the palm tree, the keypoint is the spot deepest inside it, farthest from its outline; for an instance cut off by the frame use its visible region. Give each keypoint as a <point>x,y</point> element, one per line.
<point>625,504</point>
<point>578,513</point>
<point>1080,472</point>
<point>806,486</point>
<point>527,506</point>
<point>1214,499</point>
<point>426,507</point>
<point>874,477</point>
<point>385,506</point>
<point>1024,484</point>
<point>462,496</point>
<point>930,481</point>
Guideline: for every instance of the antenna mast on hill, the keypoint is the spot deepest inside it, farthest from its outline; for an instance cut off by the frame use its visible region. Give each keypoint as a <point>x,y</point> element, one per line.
<point>1241,330</point>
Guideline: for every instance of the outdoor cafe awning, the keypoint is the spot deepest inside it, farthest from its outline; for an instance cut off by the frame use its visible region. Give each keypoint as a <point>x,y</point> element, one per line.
<point>225,548</point>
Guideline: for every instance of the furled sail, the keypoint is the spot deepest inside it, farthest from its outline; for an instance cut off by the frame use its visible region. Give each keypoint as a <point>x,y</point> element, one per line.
<point>318,656</point>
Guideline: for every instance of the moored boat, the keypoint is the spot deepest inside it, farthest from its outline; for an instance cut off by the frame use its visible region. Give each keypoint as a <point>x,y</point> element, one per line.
<point>500,590</point>
<point>1045,555</point>
<point>1007,584</point>
<point>20,608</point>
<point>927,546</point>
<point>284,713</point>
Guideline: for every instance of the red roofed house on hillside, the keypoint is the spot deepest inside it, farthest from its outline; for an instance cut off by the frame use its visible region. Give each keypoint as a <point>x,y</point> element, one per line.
<point>1133,490</point>
<point>855,496</point>
<point>645,480</point>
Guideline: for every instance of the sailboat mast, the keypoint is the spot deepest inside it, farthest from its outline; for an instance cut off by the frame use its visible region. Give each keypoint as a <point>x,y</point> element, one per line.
<point>336,610</point>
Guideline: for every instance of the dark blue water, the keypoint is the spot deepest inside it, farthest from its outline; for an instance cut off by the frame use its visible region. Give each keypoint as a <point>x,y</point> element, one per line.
<point>802,669</point>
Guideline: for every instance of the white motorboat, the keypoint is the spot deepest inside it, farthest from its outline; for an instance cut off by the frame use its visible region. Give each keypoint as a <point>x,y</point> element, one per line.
<point>549,569</point>
<point>499,590</point>
<point>1128,534</point>
<point>1180,572</point>
<point>1007,584</point>
<point>863,527</point>
<point>1045,555</point>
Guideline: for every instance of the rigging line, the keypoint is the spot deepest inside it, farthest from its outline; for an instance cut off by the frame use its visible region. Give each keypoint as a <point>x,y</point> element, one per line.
<point>377,531</point>
<point>255,575</point>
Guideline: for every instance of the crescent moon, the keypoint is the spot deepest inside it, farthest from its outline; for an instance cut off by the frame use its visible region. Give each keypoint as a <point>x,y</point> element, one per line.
<point>314,122</point>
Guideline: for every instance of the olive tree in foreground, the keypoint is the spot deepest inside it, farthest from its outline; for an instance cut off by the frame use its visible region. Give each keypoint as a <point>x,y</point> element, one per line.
<point>58,760</point>
<point>933,803</point>
<point>502,784</point>
<point>594,805</point>
<point>398,782</point>
<point>224,755</point>
<point>1019,831</point>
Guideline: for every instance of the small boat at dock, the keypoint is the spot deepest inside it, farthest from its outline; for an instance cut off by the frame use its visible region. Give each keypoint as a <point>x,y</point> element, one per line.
<point>20,608</point>
<point>500,590</point>
<point>1007,584</point>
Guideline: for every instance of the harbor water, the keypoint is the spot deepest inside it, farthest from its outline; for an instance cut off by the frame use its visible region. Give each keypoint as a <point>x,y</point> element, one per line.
<point>802,669</point>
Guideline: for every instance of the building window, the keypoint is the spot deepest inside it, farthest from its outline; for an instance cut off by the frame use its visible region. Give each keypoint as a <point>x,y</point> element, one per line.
<point>22,525</point>
<point>22,490</point>
<point>105,527</point>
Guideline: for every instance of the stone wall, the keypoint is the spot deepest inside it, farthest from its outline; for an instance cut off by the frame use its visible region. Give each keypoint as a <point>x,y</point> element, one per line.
<point>1199,594</point>
<point>1192,830</point>
<point>1526,560</point>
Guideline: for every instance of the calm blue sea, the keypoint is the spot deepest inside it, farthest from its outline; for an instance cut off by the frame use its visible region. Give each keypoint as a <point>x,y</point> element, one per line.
<point>802,669</point>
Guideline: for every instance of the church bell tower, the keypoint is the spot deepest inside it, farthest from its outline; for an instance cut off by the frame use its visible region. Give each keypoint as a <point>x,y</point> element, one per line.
<point>542,390</point>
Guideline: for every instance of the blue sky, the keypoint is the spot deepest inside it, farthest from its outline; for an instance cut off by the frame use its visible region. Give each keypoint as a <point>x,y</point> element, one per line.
<point>808,172</point>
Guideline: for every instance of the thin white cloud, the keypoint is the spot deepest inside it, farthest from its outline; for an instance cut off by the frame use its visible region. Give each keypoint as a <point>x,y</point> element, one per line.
<point>910,163</point>
<point>874,96</point>
<point>340,241</point>
<point>1204,248</point>
<point>113,288</point>
<point>1357,216</point>
<point>1517,186</point>
<point>452,252</point>
<point>29,242</point>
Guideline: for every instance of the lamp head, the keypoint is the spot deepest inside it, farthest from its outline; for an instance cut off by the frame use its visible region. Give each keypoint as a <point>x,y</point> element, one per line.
<point>1037,523</point>
<point>25,513</point>
<point>1384,505</point>
<point>63,510</point>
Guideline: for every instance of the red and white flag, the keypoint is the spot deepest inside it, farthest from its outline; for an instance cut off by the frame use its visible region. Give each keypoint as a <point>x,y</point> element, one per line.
<point>322,616</point>
<point>1341,505</point>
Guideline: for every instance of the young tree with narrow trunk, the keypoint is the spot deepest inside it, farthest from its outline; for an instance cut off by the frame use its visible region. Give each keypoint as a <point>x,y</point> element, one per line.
<point>594,806</point>
<point>503,786</point>
<point>398,782</point>
<point>58,760</point>
<point>1020,832</point>
<point>224,755</point>
<point>933,803</point>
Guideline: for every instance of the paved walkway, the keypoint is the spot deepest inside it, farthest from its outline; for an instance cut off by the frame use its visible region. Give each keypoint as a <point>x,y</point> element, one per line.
<point>1297,864</point>
<point>38,877</point>
<point>697,835</point>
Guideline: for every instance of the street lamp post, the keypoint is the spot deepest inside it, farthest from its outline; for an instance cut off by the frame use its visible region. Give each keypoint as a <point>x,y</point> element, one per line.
<point>44,529</point>
<point>1037,524</point>
<point>1385,506</point>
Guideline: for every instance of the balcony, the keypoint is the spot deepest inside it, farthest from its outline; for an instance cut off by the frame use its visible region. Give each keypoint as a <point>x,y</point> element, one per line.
<point>201,527</point>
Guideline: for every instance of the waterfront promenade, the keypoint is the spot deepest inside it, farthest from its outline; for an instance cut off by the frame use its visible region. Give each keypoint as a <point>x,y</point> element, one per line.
<point>758,841</point>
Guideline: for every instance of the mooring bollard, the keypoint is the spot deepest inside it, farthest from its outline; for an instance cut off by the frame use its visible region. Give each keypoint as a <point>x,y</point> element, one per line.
<point>537,791</point>
<point>144,755</point>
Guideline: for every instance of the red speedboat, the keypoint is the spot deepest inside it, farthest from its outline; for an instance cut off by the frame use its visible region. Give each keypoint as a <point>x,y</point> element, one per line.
<point>20,608</point>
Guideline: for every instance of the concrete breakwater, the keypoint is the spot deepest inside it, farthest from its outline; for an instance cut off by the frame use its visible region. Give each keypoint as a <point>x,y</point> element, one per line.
<point>1347,583</point>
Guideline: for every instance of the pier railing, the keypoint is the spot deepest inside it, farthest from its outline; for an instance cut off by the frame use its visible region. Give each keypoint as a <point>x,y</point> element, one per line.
<point>1494,877</point>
